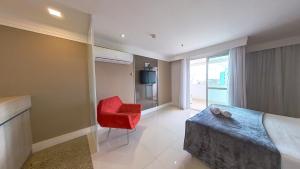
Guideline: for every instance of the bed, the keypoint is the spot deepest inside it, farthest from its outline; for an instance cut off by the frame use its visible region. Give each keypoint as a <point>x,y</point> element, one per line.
<point>248,140</point>
<point>285,133</point>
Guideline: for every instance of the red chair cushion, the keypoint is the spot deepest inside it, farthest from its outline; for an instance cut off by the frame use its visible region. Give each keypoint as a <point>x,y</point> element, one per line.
<point>112,113</point>
<point>110,105</point>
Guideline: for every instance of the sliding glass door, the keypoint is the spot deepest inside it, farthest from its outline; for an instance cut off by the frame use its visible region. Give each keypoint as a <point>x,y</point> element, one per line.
<point>217,80</point>
<point>209,81</point>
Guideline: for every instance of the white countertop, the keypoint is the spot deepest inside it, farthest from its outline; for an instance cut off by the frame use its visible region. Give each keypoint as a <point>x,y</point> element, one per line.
<point>12,106</point>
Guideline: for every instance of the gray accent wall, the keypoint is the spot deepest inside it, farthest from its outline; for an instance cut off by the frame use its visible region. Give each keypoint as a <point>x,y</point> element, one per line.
<point>145,94</point>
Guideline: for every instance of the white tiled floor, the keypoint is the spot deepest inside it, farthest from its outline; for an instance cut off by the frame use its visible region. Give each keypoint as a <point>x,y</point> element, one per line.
<point>157,143</point>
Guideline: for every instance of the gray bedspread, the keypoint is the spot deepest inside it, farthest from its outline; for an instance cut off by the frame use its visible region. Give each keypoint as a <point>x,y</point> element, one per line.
<point>239,142</point>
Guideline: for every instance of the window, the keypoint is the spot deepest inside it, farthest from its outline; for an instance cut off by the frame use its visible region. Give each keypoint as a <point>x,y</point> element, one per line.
<point>209,81</point>
<point>217,80</point>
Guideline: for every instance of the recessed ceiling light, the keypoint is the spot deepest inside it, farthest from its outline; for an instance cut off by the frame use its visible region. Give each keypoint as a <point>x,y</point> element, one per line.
<point>54,12</point>
<point>152,35</point>
<point>122,35</point>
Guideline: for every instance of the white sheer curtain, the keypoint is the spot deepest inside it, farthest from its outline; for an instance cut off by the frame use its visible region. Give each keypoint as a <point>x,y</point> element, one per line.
<point>237,77</point>
<point>184,94</point>
<point>273,80</point>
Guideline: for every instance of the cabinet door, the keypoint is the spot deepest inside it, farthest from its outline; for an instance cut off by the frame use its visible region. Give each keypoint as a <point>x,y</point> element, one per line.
<point>16,139</point>
<point>3,149</point>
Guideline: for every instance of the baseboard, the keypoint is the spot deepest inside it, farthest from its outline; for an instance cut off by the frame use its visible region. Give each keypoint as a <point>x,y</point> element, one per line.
<point>75,134</point>
<point>153,109</point>
<point>59,139</point>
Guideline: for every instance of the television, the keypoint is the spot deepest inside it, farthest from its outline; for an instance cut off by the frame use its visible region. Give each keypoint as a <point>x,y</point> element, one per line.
<point>147,77</point>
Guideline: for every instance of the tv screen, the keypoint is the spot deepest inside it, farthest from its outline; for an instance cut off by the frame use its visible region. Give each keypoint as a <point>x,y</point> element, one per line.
<point>147,77</point>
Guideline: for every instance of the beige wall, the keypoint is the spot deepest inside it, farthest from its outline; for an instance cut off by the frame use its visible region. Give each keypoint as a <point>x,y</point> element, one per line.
<point>175,82</point>
<point>115,80</point>
<point>54,72</point>
<point>164,82</point>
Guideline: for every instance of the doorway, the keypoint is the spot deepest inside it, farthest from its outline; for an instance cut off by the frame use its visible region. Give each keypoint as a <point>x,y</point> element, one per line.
<point>209,81</point>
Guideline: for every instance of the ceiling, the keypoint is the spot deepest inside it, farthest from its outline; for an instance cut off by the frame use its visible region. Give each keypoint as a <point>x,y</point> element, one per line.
<point>33,15</point>
<point>193,23</point>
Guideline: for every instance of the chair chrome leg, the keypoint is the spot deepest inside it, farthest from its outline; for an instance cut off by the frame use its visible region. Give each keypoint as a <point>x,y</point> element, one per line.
<point>108,133</point>
<point>127,136</point>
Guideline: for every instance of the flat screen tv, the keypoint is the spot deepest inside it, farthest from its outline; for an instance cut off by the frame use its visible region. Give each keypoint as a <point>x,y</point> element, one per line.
<point>147,77</point>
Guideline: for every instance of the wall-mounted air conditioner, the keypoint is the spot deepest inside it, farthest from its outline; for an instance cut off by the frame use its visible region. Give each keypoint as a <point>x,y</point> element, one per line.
<point>111,56</point>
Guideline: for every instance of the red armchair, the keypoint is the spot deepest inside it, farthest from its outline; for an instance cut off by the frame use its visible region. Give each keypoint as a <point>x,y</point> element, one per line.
<point>112,113</point>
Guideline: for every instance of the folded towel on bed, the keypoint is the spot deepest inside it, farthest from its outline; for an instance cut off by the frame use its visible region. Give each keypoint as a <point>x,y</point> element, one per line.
<point>218,111</point>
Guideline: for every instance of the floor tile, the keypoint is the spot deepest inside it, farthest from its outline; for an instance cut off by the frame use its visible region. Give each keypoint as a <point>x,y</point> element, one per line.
<point>157,143</point>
